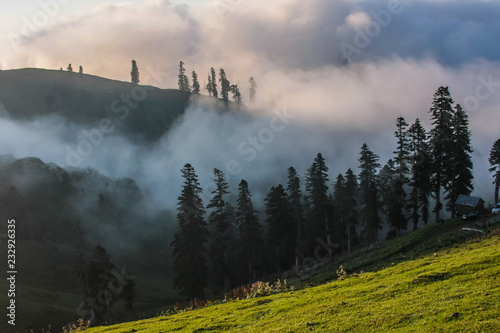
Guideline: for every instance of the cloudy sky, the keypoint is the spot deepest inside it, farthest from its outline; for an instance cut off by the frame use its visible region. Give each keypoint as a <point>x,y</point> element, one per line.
<point>399,53</point>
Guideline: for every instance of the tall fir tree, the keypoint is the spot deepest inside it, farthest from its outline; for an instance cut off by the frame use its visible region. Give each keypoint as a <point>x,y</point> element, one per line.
<point>134,73</point>
<point>368,185</point>
<point>236,93</point>
<point>349,207</point>
<point>320,214</point>
<point>250,231</point>
<point>183,80</point>
<point>189,242</point>
<point>225,85</point>
<point>401,180</point>
<point>281,231</point>
<point>70,68</point>
<point>80,70</point>
<point>420,182</point>
<point>494,161</point>
<point>100,275</point>
<point>196,84</point>
<point>213,82</point>
<point>441,143</point>
<point>219,223</point>
<point>339,210</point>
<point>390,187</point>
<point>209,85</point>
<point>460,162</point>
<point>253,90</point>
<point>295,199</point>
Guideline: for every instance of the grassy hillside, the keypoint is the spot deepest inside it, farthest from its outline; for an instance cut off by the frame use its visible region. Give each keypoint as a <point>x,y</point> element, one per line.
<point>454,289</point>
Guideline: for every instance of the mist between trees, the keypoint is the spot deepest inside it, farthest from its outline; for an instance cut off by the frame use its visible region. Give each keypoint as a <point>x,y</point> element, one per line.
<point>233,247</point>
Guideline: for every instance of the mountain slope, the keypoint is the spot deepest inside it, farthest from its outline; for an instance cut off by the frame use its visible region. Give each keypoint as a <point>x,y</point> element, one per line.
<point>86,99</point>
<point>455,289</point>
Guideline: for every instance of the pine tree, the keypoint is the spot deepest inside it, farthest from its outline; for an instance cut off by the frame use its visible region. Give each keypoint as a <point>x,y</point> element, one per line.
<point>225,85</point>
<point>420,181</point>
<point>295,200</point>
<point>100,275</point>
<point>320,215</point>
<point>250,230</point>
<point>134,73</point>
<point>350,214</point>
<point>70,68</point>
<point>213,81</point>
<point>391,190</point>
<point>368,183</point>
<point>236,93</point>
<point>183,79</point>
<point>253,90</point>
<point>80,70</point>
<point>494,160</point>
<point>209,85</point>
<point>196,84</point>
<point>339,209</point>
<point>189,242</point>
<point>460,162</point>
<point>401,161</point>
<point>441,142</point>
<point>281,232</point>
<point>219,222</point>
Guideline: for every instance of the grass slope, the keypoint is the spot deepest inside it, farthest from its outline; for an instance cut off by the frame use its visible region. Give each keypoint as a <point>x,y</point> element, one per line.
<point>454,290</point>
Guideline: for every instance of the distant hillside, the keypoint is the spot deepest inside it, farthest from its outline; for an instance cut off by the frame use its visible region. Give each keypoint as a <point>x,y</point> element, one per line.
<point>86,99</point>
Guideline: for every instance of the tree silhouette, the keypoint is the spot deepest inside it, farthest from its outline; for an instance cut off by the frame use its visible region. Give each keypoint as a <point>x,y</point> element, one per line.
<point>196,84</point>
<point>134,74</point>
<point>494,160</point>
<point>253,90</point>
<point>183,79</point>
<point>189,242</point>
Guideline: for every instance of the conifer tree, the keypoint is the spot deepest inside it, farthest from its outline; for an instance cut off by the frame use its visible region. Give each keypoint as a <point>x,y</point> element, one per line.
<point>196,84</point>
<point>80,70</point>
<point>420,181</point>
<point>339,209</point>
<point>189,242</point>
<point>399,183</point>
<point>295,200</point>
<point>391,190</point>
<point>100,275</point>
<point>219,223</point>
<point>183,79</point>
<point>236,93</point>
<point>494,160</point>
<point>441,142</point>
<point>225,85</point>
<point>213,81</point>
<point>209,85</point>
<point>460,161</point>
<point>134,73</point>
<point>253,90</point>
<point>250,230</point>
<point>368,183</point>
<point>350,214</point>
<point>320,215</point>
<point>281,231</point>
<point>70,68</point>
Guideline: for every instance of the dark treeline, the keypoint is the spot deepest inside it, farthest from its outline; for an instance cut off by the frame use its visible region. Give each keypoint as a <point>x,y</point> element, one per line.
<point>232,247</point>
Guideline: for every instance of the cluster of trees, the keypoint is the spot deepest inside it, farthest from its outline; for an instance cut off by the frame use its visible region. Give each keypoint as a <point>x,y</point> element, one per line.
<point>226,87</point>
<point>227,249</point>
<point>70,69</point>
